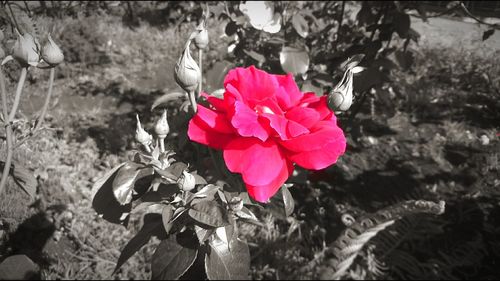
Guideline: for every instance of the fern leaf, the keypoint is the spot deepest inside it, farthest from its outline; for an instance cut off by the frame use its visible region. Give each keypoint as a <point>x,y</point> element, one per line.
<point>347,247</point>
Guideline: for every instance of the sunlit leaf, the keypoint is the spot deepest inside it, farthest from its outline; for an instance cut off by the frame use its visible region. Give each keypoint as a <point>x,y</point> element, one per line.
<point>289,203</point>
<point>294,60</point>
<point>224,264</point>
<point>104,201</point>
<point>174,256</point>
<point>123,184</point>
<point>166,216</point>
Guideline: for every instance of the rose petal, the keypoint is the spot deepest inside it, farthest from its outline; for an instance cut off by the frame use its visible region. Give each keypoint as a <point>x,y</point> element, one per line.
<point>259,163</point>
<point>214,120</point>
<point>253,84</point>
<point>322,108</point>
<point>283,127</point>
<point>263,193</point>
<point>289,93</point>
<point>305,116</point>
<point>246,122</point>
<point>218,104</point>
<point>200,132</point>
<point>320,158</point>
<point>317,139</point>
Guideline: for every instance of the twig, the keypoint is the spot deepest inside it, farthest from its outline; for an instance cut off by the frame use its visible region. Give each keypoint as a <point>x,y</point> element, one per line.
<point>341,18</point>
<point>8,132</point>
<point>496,26</point>
<point>47,102</point>
<point>200,62</point>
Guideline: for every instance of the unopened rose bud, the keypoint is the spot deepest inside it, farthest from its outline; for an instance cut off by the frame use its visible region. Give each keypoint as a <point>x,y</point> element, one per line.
<point>236,204</point>
<point>51,53</point>
<point>26,49</point>
<point>186,182</point>
<point>340,98</point>
<point>161,128</point>
<point>186,72</point>
<point>201,39</point>
<point>141,136</point>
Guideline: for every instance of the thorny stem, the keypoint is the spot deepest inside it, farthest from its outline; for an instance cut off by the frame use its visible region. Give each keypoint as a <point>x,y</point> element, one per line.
<point>47,101</point>
<point>8,133</point>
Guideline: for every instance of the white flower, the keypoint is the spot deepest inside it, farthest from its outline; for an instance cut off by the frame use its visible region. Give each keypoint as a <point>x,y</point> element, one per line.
<point>261,15</point>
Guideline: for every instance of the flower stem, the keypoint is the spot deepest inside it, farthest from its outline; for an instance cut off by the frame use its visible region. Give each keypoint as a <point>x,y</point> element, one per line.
<point>47,101</point>
<point>162,144</point>
<point>8,133</point>
<point>200,62</point>
<point>19,90</point>
<point>192,100</point>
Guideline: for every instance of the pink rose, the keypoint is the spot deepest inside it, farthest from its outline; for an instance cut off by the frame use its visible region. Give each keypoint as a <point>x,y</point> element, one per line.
<point>263,125</point>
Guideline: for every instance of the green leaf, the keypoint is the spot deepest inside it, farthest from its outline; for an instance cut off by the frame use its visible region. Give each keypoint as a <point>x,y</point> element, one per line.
<point>215,75</point>
<point>207,193</point>
<point>402,24</point>
<point>176,169</point>
<point>104,201</point>
<point>209,213</point>
<point>123,183</point>
<point>289,203</point>
<point>300,25</point>
<point>166,216</point>
<point>487,34</point>
<point>174,256</point>
<point>294,60</point>
<point>198,179</point>
<point>24,179</point>
<point>202,233</point>
<point>152,227</point>
<point>18,267</point>
<point>256,56</point>
<point>167,98</point>
<point>224,264</point>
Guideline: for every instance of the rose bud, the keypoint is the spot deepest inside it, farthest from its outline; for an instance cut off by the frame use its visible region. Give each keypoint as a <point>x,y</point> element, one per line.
<point>141,136</point>
<point>51,53</point>
<point>340,98</point>
<point>2,53</point>
<point>186,182</point>
<point>1,35</point>
<point>25,50</point>
<point>201,39</point>
<point>161,128</point>
<point>236,204</point>
<point>186,71</point>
